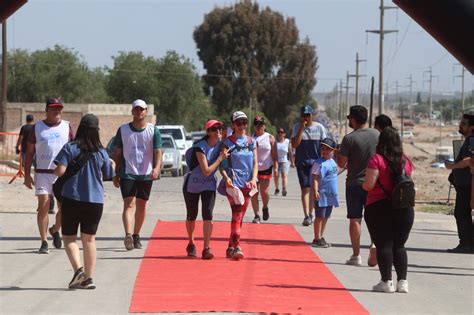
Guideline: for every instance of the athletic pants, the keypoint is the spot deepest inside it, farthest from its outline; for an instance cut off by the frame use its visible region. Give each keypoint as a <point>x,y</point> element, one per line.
<point>238,213</point>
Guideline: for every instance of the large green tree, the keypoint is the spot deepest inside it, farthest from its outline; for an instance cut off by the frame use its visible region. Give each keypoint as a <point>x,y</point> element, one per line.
<point>255,55</point>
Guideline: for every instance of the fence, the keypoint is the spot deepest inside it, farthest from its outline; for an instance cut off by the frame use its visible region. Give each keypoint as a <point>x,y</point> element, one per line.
<point>10,162</point>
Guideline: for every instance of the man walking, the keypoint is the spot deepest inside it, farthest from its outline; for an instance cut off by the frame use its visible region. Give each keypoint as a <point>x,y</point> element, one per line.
<point>45,140</point>
<point>462,183</point>
<point>356,149</point>
<point>306,137</point>
<point>137,164</point>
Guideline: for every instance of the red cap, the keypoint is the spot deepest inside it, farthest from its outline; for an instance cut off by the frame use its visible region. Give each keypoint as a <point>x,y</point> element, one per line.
<point>211,123</point>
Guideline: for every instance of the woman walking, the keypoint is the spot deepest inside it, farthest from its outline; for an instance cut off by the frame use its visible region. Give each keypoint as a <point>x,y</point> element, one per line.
<point>389,228</point>
<point>285,159</point>
<point>83,197</point>
<point>201,182</point>
<point>240,178</point>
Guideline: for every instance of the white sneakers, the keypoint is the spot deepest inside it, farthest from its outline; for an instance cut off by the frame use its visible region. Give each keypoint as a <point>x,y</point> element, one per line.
<point>387,287</point>
<point>354,261</point>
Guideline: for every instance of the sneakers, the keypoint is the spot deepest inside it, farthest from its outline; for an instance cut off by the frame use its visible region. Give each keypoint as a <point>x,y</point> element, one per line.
<point>277,192</point>
<point>256,219</point>
<point>354,261</point>
<point>372,260</point>
<point>460,249</point>
<point>77,279</point>
<point>56,238</point>
<point>386,287</point>
<point>321,243</point>
<point>266,214</point>
<point>402,286</point>
<point>191,250</point>
<point>283,192</point>
<point>307,221</point>
<point>128,241</point>
<point>44,248</point>
<point>87,284</point>
<point>238,254</point>
<point>136,241</point>
<point>207,254</point>
<point>229,252</point>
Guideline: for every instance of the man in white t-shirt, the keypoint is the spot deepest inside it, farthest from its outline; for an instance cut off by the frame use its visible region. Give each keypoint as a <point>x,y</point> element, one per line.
<point>45,140</point>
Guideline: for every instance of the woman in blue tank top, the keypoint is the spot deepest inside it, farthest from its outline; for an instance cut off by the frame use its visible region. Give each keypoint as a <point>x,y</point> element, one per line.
<point>201,182</point>
<point>240,177</point>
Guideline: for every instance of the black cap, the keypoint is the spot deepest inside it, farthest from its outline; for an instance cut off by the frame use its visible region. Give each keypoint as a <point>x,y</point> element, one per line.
<point>54,102</point>
<point>329,143</point>
<point>90,121</point>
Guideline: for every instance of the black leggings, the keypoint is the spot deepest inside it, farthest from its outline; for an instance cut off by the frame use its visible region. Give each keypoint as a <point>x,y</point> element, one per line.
<point>389,229</point>
<point>208,199</point>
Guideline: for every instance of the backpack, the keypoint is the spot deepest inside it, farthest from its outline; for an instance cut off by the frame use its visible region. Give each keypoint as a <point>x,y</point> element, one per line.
<point>403,193</point>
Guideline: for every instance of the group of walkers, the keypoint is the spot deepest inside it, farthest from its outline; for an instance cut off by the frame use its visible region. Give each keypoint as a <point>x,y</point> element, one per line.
<point>372,158</point>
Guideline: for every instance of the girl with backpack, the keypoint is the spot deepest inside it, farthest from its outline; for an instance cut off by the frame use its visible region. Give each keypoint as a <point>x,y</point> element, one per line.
<point>389,227</point>
<point>240,177</point>
<point>203,160</point>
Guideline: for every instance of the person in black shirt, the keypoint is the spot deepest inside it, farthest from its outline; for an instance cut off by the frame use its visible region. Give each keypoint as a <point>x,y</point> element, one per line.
<point>22,139</point>
<point>462,179</point>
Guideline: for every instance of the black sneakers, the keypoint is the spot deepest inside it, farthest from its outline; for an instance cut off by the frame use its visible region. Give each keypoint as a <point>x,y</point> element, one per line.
<point>77,279</point>
<point>191,250</point>
<point>266,214</point>
<point>277,192</point>
<point>56,238</point>
<point>136,241</point>
<point>283,192</point>
<point>44,248</point>
<point>207,254</point>
<point>87,284</point>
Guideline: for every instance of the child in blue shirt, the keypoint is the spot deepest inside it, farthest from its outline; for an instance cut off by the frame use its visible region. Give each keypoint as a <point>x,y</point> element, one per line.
<point>324,189</point>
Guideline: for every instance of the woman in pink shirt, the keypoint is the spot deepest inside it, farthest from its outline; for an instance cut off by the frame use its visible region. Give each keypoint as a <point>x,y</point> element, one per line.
<point>389,228</point>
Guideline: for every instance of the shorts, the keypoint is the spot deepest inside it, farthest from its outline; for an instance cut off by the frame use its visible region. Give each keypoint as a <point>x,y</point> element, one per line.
<point>44,183</point>
<point>265,174</point>
<point>304,176</point>
<point>135,188</point>
<point>283,167</point>
<point>323,212</point>
<point>356,197</point>
<point>74,212</point>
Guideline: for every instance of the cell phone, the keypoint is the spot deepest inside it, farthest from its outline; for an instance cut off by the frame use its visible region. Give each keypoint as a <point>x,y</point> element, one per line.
<point>253,191</point>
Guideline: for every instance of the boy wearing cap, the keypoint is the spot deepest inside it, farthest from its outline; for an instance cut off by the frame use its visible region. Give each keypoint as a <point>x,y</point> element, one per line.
<point>45,140</point>
<point>137,163</point>
<point>306,137</point>
<point>324,179</point>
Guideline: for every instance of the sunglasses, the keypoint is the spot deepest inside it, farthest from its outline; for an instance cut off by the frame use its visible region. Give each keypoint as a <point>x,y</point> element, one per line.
<point>241,122</point>
<point>215,129</point>
<point>281,131</point>
<point>258,124</point>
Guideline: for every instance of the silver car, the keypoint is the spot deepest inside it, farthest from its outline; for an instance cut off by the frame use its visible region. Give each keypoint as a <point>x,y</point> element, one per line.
<point>171,156</point>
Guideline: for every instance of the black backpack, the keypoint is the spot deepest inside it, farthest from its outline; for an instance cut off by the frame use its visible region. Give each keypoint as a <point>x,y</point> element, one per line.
<point>403,193</point>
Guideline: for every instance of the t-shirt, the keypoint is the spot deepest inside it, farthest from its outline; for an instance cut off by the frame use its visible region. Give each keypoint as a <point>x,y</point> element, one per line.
<point>309,149</point>
<point>157,144</point>
<point>358,146</point>
<point>85,185</point>
<point>377,162</point>
<point>326,170</point>
<point>241,160</point>
<point>24,131</point>
<point>462,176</point>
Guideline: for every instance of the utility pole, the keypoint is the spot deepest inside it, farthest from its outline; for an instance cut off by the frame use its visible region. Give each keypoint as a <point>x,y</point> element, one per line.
<point>357,76</point>
<point>382,33</point>
<point>340,106</point>
<point>411,96</point>
<point>3,102</point>
<point>347,99</point>
<point>430,71</point>
<point>462,84</point>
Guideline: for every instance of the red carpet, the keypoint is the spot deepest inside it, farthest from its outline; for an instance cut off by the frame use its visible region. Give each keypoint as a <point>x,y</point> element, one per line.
<point>280,274</point>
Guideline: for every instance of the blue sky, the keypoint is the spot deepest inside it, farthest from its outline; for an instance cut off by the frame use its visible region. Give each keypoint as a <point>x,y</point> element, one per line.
<point>99,29</point>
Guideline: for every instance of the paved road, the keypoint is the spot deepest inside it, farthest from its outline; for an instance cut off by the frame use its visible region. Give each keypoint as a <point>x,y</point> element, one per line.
<point>30,283</point>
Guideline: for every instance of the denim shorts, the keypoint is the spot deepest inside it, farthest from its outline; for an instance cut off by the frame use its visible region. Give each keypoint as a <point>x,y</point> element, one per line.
<point>323,212</point>
<point>304,176</point>
<point>355,199</point>
<point>283,167</point>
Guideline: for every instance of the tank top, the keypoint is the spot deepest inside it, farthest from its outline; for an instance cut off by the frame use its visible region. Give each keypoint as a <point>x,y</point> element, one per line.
<point>196,182</point>
<point>264,151</point>
<point>49,141</point>
<point>138,149</point>
<point>282,150</point>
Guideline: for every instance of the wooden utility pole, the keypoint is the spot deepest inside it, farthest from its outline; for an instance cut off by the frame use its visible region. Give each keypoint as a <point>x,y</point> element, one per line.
<point>430,80</point>
<point>357,76</point>
<point>3,110</point>
<point>462,84</point>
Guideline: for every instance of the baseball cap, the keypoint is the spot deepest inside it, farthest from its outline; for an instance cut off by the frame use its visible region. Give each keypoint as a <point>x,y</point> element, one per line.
<point>139,103</point>
<point>211,123</point>
<point>238,115</point>
<point>54,102</point>
<point>89,121</point>
<point>259,119</point>
<point>306,109</point>
<point>329,143</point>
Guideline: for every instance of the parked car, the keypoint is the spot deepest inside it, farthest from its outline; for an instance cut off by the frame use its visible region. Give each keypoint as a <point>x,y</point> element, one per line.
<point>197,135</point>
<point>172,160</point>
<point>181,137</point>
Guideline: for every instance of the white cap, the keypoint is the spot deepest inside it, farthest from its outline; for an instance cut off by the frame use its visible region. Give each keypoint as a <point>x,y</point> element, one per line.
<point>139,103</point>
<point>238,115</point>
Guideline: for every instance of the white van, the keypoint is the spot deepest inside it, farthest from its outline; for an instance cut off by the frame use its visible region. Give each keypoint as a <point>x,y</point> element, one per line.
<point>181,137</point>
